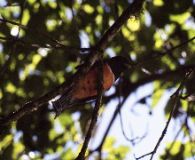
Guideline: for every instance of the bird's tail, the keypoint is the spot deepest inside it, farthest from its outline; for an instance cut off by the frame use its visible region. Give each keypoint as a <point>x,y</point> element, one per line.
<point>57,106</point>
<point>64,102</point>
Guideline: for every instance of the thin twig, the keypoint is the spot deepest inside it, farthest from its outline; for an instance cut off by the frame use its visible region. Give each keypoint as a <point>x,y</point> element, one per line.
<point>57,44</point>
<point>161,54</point>
<point>131,140</point>
<point>99,148</point>
<point>116,9</point>
<point>162,134</point>
<point>134,140</point>
<point>192,141</point>
<point>176,98</point>
<point>167,151</point>
<point>14,41</point>
<point>176,136</point>
<point>46,46</point>
<point>122,125</point>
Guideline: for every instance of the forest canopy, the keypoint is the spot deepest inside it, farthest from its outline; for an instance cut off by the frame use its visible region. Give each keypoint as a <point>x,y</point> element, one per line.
<point>42,43</point>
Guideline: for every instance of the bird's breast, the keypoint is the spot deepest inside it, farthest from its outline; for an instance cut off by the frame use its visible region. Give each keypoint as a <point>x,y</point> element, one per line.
<point>87,85</point>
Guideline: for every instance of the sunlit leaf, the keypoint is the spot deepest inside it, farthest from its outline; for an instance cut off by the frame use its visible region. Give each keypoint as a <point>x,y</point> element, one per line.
<point>169,62</point>
<point>18,149</point>
<point>68,154</point>
<point>11,88</point>
<point>26,17</point>
<point>51,24</point>
<point>6,141</point>
<point>99,19</point>
<point>158,93</point>
<point>110,141</point>
<point>133,25</point>
<point>88,8</point>
<point>181,18</point>
<point>158,2</point>
<point>65,119</point>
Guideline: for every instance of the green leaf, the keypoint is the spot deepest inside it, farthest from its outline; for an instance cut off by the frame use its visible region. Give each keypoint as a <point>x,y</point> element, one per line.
<point>158,93</point>
<point>88,8</point>
<point>180,18</point>
<point>109,143</point>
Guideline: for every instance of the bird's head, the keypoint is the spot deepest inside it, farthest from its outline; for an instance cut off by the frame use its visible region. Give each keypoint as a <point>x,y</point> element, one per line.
<point>118,65</point>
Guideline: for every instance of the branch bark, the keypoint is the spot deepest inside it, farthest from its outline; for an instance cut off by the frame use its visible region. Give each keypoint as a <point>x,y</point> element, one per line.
<point>81,155</point>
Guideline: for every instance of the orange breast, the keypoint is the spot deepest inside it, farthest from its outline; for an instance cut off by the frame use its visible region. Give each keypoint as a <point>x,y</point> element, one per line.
<point>87,85</point>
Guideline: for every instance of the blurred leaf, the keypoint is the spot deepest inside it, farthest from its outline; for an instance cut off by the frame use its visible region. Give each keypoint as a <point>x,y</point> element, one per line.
<point>68,154</point>
<point>114,152</point>
<point>189,149</point>
<point>158,2</point>
<point>6,153</point>
<point>88,8</point>
<point>65,119</point>
<point>10,88</point>
<point>181,18</point>
<point>133,24</point>
<point>6,141</point>
<point>169,62</point>
<point>18,149</point>
<point>26,17</point>
<point>158,92</point>
<point>110,141</point>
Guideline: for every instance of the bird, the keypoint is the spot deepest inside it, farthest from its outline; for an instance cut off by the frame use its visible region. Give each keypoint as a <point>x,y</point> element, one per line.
<point>85,90</point>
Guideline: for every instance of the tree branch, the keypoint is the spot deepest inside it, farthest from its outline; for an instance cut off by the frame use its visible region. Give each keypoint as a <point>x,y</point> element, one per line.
<point>94,117</point>
<point>134,9</point>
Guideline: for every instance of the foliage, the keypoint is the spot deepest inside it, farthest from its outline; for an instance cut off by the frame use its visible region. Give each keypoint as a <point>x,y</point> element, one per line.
<point>33,64</point>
